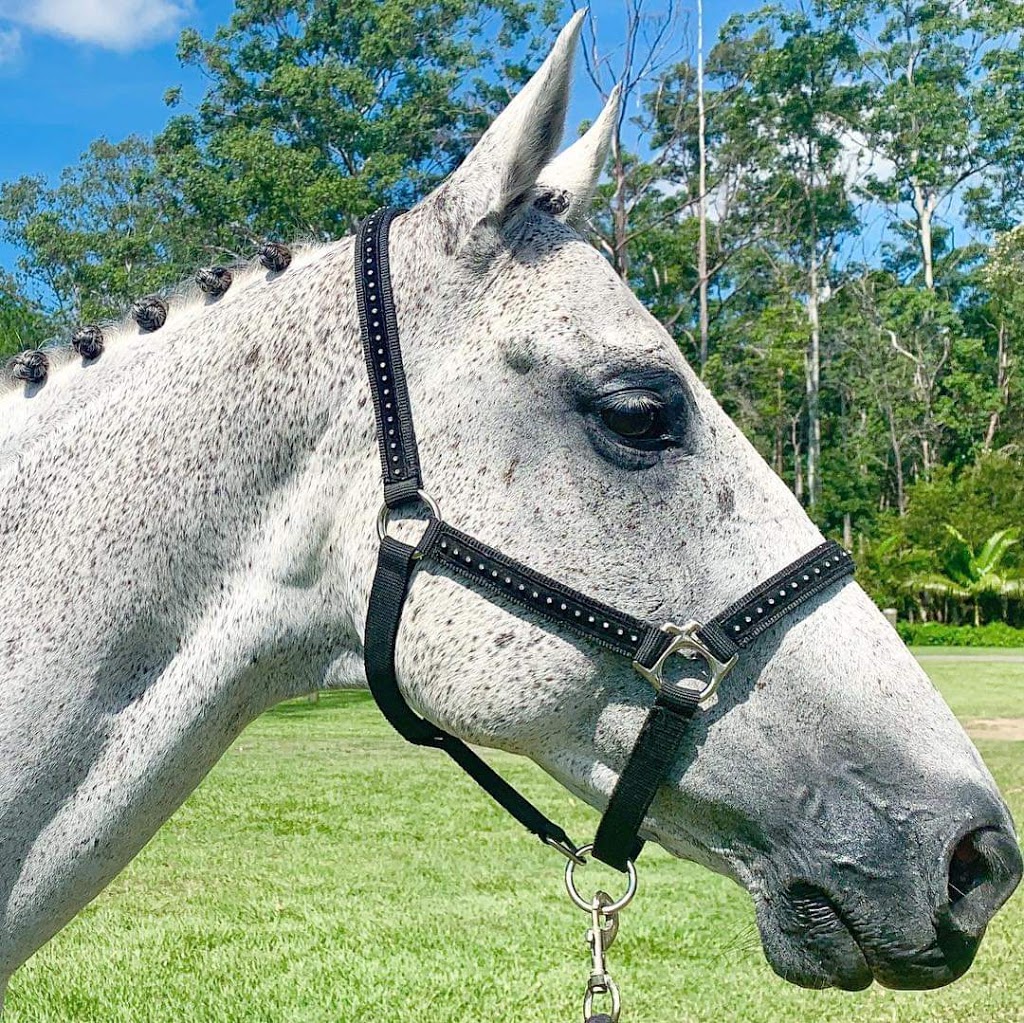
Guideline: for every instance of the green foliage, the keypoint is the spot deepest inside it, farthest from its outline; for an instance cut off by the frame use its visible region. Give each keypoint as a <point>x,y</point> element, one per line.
<point>968,572</point>
<point>103,236</point>
<point>317,112</point>
<point>21,324</point>
<point>994,634</point>
<point>959,540</point>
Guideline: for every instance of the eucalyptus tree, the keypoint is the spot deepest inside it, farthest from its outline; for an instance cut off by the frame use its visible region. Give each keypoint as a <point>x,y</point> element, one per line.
<point>795,67</point>
<point>946,90</point>
<point>1002,312</point>
<point>635,203</point>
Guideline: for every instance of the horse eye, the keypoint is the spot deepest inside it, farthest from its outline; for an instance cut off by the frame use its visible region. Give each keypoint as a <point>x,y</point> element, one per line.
<point>636,416</point>
<point>638,425</point>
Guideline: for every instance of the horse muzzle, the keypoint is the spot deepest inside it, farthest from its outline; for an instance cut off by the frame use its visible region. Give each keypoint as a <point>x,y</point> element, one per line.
<point>911,932</point>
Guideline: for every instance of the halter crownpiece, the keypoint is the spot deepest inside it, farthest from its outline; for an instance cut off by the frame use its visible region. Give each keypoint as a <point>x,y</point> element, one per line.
<point>716,645</point>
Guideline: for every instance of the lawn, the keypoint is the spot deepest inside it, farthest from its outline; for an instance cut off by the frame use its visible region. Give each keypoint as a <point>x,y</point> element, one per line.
<point>325,871</point>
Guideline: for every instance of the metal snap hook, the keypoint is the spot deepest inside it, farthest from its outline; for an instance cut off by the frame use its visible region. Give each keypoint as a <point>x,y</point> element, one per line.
<point>611,988</point>
<point>588,904</point>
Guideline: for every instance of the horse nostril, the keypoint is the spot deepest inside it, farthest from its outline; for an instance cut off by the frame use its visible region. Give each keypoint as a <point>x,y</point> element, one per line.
<point>984,869</point>
<point>966,870</point>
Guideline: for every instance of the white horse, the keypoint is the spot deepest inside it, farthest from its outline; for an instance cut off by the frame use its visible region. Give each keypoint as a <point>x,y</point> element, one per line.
<point>187,537</point>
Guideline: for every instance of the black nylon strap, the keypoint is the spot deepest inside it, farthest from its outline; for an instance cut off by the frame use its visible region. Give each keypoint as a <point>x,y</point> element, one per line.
<point>396,562</point>
<point>598,622</point>
<point>396,439</point>
<point>662,734</point>
<point>765,605</point>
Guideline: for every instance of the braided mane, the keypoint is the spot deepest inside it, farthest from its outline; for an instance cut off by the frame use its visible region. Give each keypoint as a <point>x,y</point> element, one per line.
<point>29,371</point>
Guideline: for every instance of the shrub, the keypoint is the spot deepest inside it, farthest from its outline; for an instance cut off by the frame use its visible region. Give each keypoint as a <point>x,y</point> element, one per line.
<point>937,634</point>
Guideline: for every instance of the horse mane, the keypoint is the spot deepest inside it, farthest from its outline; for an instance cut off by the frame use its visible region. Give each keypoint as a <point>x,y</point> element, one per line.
<point>30,370</point>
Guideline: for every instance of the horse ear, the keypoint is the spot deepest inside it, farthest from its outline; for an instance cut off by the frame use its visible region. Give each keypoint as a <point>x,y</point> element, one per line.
<point>500,174</point>
<point>571,178</point>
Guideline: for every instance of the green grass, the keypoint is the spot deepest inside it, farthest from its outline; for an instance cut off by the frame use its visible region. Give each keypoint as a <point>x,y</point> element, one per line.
<point>977,682</point>
<point>325,871</point>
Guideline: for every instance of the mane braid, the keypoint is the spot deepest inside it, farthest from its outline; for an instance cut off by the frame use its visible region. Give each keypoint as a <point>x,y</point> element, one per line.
<point>35,368</point>
<point>32,366</point>
<point>88,341</point>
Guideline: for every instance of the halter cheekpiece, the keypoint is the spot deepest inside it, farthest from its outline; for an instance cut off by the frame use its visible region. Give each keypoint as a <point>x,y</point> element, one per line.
<point>716,645</point>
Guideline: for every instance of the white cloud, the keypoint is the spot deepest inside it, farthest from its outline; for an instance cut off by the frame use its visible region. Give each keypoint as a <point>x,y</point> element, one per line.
<point>10,45</point>
<point>858,160</point>
<point>115,24</point>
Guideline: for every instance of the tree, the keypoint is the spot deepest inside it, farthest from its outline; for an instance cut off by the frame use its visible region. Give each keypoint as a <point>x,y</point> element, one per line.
<point>943,113</point>
<point>1001,310</point>
<point>21,325</point>
<point>634,203</point>
<point>968,573</point>
<point>797,73</point>
<point>103,236</point>
<point>319,111</point>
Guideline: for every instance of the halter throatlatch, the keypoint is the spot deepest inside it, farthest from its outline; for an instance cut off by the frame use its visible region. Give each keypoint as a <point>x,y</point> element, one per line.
<point>708,652</point>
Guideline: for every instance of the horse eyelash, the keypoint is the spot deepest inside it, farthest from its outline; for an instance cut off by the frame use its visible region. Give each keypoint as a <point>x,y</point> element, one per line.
<point>633,401</point>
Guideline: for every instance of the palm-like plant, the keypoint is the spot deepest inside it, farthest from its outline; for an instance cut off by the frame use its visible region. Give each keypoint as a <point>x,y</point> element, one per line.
<point>969,573</point>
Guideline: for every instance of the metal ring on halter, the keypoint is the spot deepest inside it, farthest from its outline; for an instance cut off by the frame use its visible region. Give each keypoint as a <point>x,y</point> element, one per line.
<point>614,907</point>
<point>385,512</point>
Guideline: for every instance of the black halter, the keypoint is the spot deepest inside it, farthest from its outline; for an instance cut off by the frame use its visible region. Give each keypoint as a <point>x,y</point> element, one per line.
<point>498,577</point>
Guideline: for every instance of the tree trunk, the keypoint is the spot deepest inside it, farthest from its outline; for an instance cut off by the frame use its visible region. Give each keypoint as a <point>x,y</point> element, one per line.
<point>924,207</point>
<point>897,455</point>
<point>813,374</point>
<point>702,185</point>
<point>779,443</point>
<point>1002,385</point>
<point>798,465</point>
<point>620,225</point>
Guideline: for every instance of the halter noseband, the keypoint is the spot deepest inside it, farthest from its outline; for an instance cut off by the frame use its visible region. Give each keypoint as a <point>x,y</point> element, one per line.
<point>500,578</point>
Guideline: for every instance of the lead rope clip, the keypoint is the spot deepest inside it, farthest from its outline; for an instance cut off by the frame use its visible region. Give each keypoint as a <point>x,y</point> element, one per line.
<point>600,936</point>
<point>604,926</point>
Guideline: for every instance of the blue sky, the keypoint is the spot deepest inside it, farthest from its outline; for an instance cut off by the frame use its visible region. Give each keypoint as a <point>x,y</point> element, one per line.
<point>74,70</point>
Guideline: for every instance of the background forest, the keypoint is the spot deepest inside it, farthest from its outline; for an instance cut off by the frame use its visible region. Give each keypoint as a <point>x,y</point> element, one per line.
<point>822,205</point>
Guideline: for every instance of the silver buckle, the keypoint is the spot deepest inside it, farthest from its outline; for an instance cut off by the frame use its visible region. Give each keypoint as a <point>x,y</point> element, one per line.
<point>687,643</point>
<point>572,854</point>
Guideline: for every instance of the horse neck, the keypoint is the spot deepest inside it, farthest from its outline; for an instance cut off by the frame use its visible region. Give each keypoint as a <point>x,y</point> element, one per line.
<point>178,472</point>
